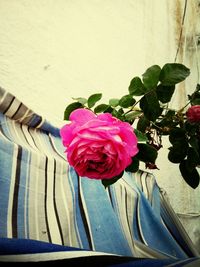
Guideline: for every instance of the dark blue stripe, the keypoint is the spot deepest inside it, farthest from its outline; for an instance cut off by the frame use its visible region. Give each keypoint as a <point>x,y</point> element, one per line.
<point>16,192</point>
<point>24,177</point>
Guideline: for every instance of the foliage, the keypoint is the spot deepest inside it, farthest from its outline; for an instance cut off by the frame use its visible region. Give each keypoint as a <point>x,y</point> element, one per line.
<point>146,108</point>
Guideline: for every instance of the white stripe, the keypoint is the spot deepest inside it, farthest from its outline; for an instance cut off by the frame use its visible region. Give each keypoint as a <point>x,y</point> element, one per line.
<point>17,135</point>
<point>73,199</point>
<point>33,196</point>
<point>137,177</point>
<point>144,187</point>
<point>67,208</point>
<point>27,134</point>
<point>43,145</point>
<point>138,206</point>
<point>53,225</point>
<point>26,228</point>
<point>55,148</point>
<point>13,108</point>
<point>53,256</point>
<point>11,191</point>
<point>151,183</point>
<point>121,204</point>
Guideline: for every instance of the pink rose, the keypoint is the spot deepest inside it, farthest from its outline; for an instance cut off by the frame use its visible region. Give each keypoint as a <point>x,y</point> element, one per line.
<point>193,113</point>
<point>98,146</point>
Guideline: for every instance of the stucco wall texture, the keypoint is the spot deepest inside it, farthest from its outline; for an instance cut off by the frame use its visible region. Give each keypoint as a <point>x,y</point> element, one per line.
<point>53,50</point>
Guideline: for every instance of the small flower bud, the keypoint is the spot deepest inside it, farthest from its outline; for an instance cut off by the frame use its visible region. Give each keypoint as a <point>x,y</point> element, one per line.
<point>193,114</point>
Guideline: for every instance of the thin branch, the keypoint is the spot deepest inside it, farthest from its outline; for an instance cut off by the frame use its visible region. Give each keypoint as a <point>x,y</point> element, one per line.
<point>181,31</point>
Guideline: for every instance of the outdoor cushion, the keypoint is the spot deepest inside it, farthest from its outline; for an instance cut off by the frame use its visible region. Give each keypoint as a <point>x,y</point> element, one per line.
<point>45,207</point>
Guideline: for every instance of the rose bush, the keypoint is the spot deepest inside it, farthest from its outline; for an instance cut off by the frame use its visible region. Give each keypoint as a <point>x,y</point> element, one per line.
<point>98,146</point>
<point>146,109</point>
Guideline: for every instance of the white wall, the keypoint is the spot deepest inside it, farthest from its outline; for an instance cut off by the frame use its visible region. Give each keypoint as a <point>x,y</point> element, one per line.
<point>184,199</point>
<point>52,50</point>
<point>69,48</point>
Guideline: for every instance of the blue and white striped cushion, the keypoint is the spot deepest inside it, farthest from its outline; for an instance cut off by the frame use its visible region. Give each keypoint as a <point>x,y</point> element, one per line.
<point>43,199</point>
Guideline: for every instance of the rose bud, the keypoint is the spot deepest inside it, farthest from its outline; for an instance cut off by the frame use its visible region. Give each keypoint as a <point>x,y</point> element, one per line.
<point>193,114</point>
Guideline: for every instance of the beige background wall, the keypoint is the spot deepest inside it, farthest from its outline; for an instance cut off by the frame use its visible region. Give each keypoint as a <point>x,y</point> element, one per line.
<point>53,50</point>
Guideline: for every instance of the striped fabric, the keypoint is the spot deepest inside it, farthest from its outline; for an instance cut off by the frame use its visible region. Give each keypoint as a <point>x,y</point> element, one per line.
<point>42,199</point>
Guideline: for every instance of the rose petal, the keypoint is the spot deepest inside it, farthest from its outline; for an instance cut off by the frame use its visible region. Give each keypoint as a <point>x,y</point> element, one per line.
<point>82,115</point>
<point>66,133</point>
<point>106,117</point>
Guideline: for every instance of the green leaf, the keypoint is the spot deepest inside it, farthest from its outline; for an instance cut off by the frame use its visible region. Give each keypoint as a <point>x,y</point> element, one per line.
<point>127,101</point>
<point>173,73</point>
<point>150,105</point>
<point>193,159</point>
<point>177,135</point>
<point>108,182</point>
<point>118,114</point>
<point>133,115</point>
<point>142,124</point>
<point>81,100</point>
<point>136,87</point>
<point>101,108</point>
<point>194,142</point>
<point>147,153</point>
<point>195,101</point>
<point>178,151</point>
<point>168,121</point>
<point>151,77</point>
<point>134,166</point>
<point>165,93</point>
<point>121,111</point>
<point>71,107</point>
<point>191,128</point>
<point>191,177</point>
<point>140,136</point>
<point>114,102</point>
<point>93,99</point>
<point>109,109</point>
<point>195,98</point>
